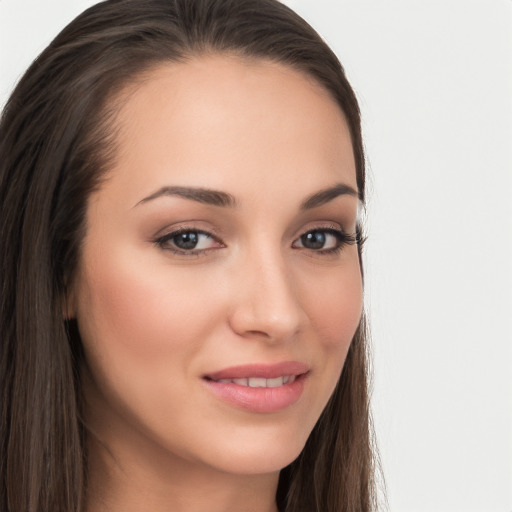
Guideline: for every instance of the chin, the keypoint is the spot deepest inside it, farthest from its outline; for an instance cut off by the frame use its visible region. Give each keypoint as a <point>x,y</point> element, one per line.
<point>258,456</point>
<point>263,463</point>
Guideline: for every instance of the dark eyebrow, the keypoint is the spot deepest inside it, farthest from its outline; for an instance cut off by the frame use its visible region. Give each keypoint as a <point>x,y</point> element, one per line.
<point>326,195</point>
<point>201,195</point>
<point>223,199</point>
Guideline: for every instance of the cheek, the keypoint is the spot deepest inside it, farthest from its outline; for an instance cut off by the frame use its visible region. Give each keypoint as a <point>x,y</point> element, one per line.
<point>333,301</point>
<point>335,308</point>
<point>136,315</point>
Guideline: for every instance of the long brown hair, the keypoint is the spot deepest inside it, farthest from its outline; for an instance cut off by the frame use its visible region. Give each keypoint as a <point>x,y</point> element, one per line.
<point>57,138</point>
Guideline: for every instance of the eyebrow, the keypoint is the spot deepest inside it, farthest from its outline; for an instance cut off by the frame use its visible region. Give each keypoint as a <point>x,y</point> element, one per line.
<point>201,195</point>
<point>223,199</point>
<point>328,194</point>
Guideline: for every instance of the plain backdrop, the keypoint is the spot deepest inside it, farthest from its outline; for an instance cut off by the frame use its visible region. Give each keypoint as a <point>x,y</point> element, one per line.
<point>434,79</point>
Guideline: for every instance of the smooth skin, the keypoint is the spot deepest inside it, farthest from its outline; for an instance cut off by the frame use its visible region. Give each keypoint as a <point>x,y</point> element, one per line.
<point>241,284</point>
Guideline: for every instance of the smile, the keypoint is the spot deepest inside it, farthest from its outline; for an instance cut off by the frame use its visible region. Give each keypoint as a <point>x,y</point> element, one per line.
<point>259,388</point>
<point>259,382</point>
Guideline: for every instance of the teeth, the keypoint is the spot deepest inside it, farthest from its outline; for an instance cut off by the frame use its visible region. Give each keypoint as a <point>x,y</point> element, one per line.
<point>257,382</point>
<point>260,382</point>
<point>274,383</point>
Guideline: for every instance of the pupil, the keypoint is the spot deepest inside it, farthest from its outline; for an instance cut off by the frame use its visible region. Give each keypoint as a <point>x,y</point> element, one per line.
<point>186,240</point>
<point>313,240</point>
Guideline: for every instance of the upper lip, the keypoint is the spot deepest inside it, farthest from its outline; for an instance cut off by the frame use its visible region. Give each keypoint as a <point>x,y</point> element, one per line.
<point>267,371</point>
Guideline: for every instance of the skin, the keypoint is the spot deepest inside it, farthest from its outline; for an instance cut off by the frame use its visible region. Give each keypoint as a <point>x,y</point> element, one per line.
<point>154,322</point>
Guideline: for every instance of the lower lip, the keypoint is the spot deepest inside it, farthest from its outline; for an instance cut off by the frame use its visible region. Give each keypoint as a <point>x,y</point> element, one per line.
<point>258,399</point>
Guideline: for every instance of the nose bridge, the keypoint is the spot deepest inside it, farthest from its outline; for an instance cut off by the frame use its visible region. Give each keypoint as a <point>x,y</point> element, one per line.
<point>268,303</point>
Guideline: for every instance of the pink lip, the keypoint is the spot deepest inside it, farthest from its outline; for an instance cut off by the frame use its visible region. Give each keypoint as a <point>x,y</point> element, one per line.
<point>267,371</point>
<point>261,400</point>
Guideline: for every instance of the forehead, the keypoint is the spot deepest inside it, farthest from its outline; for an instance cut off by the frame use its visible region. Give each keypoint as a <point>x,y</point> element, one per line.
<point>216,120</point>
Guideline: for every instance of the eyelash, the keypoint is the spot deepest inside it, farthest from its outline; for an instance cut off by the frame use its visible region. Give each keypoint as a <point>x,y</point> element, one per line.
<point>164,241</point>
<point>342,239</point>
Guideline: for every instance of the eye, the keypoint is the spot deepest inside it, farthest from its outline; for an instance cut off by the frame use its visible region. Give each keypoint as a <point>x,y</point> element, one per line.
<point>186,240</point>
<point>324,240</point>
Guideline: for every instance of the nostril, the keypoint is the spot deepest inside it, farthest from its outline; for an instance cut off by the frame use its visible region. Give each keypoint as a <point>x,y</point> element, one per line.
<point>266,306</point>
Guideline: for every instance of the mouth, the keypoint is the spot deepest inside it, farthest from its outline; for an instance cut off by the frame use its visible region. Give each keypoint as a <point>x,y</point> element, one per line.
<point>259,388</point>
<point>259,382</point>
<point>256,373</point>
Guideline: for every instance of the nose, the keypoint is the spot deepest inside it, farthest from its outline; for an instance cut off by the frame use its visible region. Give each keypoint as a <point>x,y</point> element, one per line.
<point>266,304</point>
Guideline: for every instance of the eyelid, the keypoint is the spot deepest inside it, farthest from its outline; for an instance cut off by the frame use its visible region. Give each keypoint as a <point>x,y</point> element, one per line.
<point>343,238</point>
<point>320,226</point>
<point>164,240</point>
<point>169,234</point>
<point>195,225</point>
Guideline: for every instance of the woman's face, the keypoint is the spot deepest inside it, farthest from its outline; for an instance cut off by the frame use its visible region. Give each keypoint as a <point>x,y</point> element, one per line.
<point>218,248</point>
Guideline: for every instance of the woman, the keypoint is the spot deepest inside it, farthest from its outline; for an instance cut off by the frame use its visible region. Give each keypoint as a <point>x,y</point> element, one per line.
<point>181,311</point>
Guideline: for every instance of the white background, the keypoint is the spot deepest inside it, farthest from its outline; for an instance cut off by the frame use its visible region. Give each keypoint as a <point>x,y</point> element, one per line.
<point>434,80</point>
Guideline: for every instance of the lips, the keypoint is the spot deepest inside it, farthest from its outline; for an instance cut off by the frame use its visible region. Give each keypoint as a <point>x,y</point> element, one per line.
<point>264,371</point>
<point>259,388</point>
